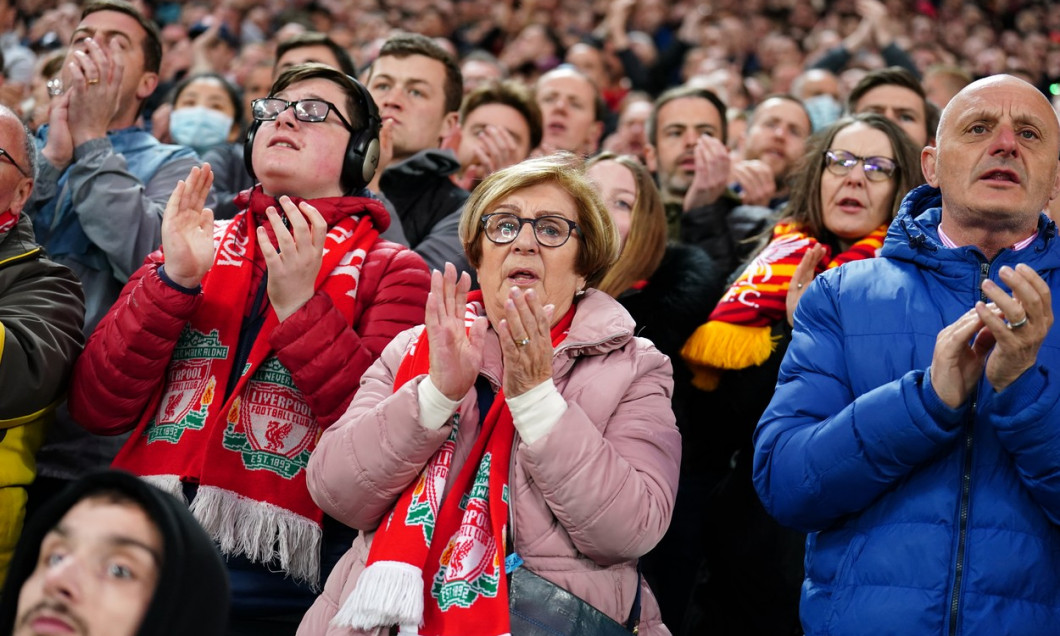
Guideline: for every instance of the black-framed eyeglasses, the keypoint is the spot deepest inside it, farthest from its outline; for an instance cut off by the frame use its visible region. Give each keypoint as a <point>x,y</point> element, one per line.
<point>308,110</point>
<point>841,162</point>
<point>7,155</point>
<point>549,230</point>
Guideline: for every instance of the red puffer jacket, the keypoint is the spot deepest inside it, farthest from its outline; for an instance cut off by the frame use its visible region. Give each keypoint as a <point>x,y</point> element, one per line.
<point>127,355</point>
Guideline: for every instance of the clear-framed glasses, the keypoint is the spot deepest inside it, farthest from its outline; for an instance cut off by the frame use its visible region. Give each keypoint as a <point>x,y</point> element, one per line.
<point>549,230</point>
<point>841,162</point>
<point>307,110</point>
<point>7,155</point>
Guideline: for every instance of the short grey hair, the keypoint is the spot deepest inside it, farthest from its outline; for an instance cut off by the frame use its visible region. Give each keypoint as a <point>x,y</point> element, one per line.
<point>29,146</point>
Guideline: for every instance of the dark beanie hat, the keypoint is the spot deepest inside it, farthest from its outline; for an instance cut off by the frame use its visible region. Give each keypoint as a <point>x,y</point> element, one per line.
<point>192,595</point>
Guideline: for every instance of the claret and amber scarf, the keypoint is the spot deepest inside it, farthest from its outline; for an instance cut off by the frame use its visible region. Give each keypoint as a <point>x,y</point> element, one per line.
<point>738,332</point>
<point>247,453</point>
<point>438,566</point>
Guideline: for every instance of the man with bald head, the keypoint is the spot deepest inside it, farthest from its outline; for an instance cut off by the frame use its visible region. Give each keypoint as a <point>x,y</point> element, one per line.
<point>915,428</point>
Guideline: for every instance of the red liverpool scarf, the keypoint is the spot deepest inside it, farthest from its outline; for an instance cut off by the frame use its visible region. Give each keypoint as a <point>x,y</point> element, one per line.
<point>738,332</point>
<point>247,453</point>
<point>8,220</point>
<point>439,565</point>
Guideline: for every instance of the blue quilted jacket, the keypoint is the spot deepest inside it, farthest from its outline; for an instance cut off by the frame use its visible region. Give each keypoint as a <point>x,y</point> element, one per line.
<point>921,519</point>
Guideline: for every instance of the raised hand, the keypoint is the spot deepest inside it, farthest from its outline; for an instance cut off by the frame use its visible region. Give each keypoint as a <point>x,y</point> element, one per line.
<point>615,21</point>
<point>386,153</point>
<point>1008,334</point>
<point>456,352</point>
<point>756,181</point>
<point>495,149</point>
<point>803,276</point>
<point>711,178</point>
<point>526,342</point>
<point>874,13</point>
<point>293,268</point>
<point>1029,316</point>
<point>187,229</point>
<point>295,261</point>
<point>201,45</point>
<point>955,366</point>
<point>861,36</point>
<point>95,75</point>
<point>59,148</point>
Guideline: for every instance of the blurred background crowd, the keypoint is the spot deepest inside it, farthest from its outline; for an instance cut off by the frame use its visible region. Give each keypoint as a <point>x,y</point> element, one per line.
<point>742,50</point>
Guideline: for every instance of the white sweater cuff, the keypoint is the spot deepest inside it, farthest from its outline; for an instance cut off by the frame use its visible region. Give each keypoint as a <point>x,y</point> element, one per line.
<point>435,408</point>
<point>537,411</point>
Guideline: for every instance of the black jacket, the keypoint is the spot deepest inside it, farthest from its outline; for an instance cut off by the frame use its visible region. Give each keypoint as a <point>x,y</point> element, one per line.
<point>677,299</point>
<point>423,196</point>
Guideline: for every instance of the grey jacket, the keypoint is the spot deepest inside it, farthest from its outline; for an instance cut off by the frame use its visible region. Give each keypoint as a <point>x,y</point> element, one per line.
<point>122,216</point>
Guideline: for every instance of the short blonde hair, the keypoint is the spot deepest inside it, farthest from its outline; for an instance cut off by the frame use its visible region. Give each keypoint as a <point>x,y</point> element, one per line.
<point>599,242</point>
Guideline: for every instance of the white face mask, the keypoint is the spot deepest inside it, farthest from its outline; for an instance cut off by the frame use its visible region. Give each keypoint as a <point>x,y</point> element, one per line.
<point>199,127</point>
<point>823,110</point>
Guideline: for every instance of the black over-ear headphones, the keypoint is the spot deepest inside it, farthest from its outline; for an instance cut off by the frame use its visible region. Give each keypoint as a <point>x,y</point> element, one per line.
<point>362,152</point>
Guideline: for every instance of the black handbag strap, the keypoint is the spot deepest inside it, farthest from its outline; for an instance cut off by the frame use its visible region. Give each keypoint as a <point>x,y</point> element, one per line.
<point>633,623</point>
<point>485,394</point>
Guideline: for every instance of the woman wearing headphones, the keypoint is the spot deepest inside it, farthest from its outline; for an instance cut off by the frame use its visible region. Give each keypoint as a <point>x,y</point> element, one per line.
<point>234,346</point>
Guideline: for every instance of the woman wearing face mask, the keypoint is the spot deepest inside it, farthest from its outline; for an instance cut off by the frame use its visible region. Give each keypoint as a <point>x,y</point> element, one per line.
<point>207,112</point>
<point>207,115</point>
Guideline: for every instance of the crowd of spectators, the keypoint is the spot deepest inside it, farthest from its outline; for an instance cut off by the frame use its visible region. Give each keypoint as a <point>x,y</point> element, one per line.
<point>700,113</point>
<point>741,50</point>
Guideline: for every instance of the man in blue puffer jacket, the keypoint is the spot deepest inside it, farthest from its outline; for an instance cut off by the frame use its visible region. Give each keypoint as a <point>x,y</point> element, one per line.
<point>915,429</point>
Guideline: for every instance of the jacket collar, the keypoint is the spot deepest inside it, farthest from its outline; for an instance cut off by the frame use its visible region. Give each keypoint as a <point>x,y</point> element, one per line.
<point>913,236</point>
<point>432,161</point>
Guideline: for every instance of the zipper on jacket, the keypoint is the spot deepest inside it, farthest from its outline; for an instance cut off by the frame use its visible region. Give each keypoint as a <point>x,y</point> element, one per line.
<point>20,257</point>
<point>966,485</point>
<point>962,532</point>
<point>984,273</point>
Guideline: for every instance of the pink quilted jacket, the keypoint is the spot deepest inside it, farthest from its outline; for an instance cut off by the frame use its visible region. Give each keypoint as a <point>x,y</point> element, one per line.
<point>588,499</point>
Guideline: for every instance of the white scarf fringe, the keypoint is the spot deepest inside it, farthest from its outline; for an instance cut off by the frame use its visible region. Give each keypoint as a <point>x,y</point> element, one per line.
<point>387,593</point>
<point>167,483</point>
<point>261,531</point>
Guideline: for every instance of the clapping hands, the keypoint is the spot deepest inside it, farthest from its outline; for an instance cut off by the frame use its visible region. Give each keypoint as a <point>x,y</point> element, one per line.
<point>1006,335</point>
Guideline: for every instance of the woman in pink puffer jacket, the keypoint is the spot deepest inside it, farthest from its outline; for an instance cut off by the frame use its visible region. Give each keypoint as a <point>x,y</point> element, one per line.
<point>594,451</point>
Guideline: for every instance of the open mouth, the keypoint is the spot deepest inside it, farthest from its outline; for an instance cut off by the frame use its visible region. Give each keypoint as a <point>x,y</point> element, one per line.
<point>522,277</point>
<point>849,204</point>
<point>1001,176</point>
<point>282,142</point>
